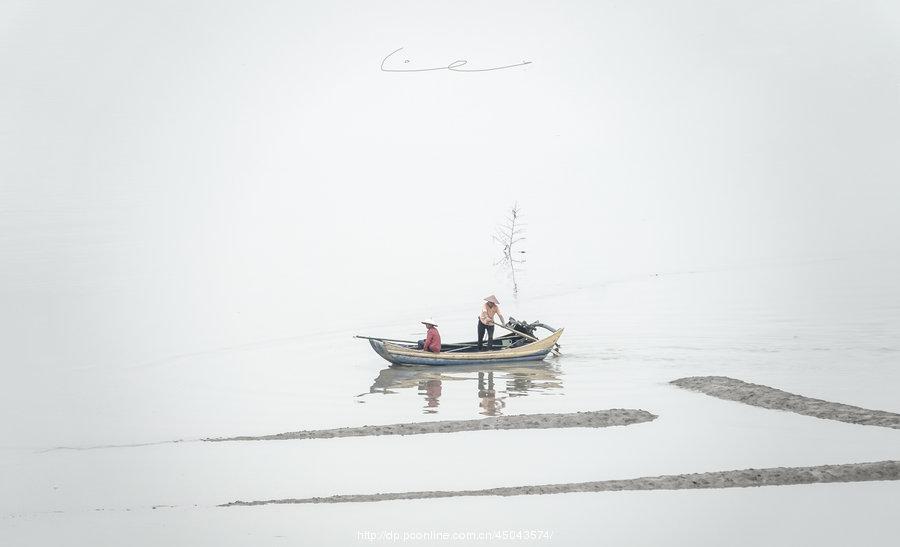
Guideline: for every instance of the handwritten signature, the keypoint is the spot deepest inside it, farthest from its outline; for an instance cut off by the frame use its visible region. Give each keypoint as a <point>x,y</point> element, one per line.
<point>455,66</point>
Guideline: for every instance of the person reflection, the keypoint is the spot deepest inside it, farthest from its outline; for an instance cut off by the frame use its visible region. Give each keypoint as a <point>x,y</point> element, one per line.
<point>432,391</point>
<point>488,401</point>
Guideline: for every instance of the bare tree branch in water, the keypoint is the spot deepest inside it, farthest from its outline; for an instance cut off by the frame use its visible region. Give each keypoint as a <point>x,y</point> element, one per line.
<point>508,236</point>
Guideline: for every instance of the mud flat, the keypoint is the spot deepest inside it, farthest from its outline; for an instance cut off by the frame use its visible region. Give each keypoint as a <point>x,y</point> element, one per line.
<point>599,418</point>
<point>773,476</point>
<point>768,397</point>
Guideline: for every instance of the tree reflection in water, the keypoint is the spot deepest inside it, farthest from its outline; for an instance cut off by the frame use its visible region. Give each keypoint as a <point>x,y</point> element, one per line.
<point>493,384</point>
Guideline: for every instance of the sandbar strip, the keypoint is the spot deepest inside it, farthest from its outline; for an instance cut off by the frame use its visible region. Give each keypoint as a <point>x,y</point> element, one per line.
<point>773,476</point>
<point>599,418</point>
<point>731,389</point>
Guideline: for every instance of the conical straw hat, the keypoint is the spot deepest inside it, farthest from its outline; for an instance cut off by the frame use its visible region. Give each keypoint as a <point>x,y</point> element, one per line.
<point>429,321</point>
<point>492,298</point>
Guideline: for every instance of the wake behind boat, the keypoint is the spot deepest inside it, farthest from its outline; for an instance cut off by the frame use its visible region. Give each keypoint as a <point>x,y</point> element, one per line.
<point>520,345</point>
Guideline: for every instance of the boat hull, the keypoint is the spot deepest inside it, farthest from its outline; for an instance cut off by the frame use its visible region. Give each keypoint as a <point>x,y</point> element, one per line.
<point>403,355</point>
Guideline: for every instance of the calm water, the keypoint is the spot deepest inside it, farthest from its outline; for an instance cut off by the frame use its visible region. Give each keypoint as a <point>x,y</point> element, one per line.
<point>821,328</point>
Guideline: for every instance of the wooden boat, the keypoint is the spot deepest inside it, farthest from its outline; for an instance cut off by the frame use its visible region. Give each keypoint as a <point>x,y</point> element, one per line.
<point>511,348</point>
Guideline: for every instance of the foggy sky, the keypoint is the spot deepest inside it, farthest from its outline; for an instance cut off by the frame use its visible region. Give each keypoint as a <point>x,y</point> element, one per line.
<point>177,176</point>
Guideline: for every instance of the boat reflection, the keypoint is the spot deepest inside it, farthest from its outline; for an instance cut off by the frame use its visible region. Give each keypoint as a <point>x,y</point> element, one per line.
<point>494,385</point>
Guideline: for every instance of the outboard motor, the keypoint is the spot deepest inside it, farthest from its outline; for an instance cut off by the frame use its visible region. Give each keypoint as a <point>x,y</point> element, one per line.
<point>521,326</point>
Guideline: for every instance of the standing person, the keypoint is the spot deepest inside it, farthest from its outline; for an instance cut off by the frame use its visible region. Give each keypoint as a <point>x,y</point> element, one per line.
<point>432,341</point>
<point>486,320</point>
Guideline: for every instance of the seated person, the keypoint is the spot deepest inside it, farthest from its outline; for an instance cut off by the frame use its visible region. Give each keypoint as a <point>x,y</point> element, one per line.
<point>432,341</point>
